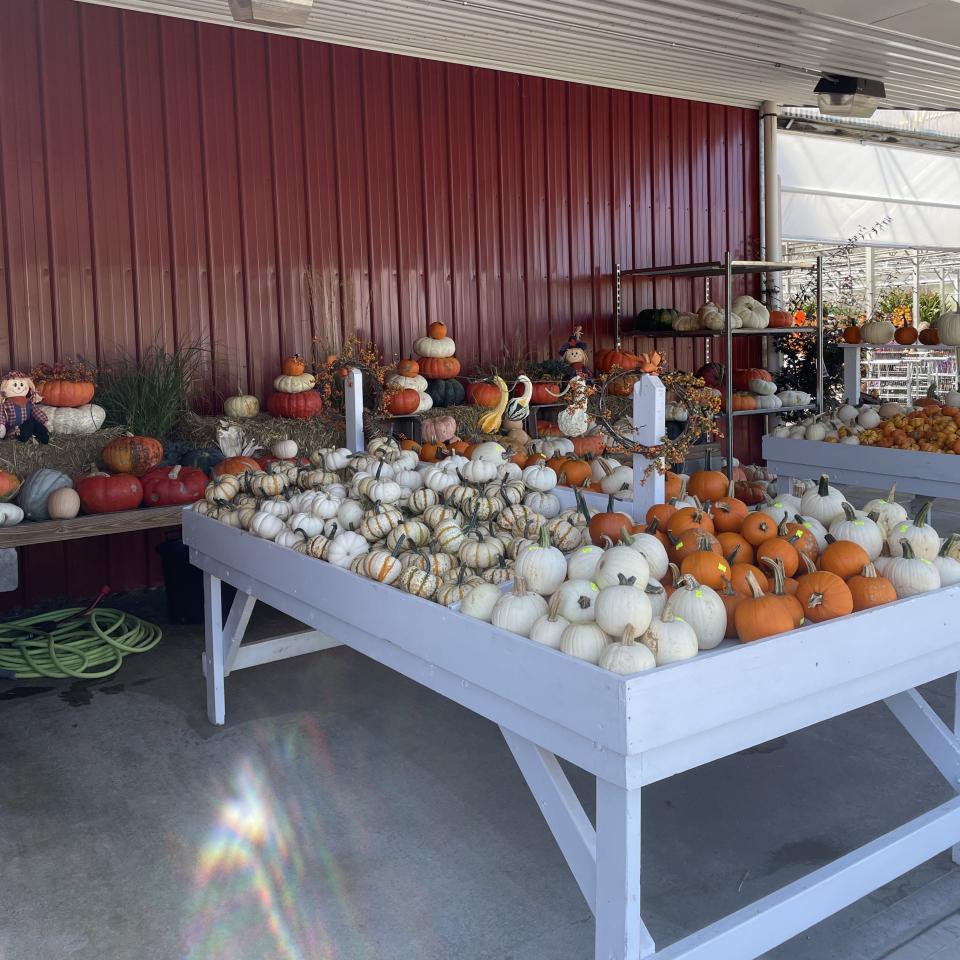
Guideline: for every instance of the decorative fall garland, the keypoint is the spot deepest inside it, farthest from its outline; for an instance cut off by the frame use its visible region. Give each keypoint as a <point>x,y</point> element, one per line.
<point>333,371</point>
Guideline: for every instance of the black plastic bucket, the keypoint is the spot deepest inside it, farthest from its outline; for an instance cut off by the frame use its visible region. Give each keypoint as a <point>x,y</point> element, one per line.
<point>183,583</point>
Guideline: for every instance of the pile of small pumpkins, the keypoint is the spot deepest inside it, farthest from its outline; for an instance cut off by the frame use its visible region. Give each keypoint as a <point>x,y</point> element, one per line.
<point>930,425</point>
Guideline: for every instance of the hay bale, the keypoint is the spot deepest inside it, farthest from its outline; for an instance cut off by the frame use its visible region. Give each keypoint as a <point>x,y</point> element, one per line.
<point>71,455</point>
<point>201,431</point>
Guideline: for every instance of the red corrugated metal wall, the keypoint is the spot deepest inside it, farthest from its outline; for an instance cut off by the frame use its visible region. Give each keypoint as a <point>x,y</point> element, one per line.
<point>165,180</point>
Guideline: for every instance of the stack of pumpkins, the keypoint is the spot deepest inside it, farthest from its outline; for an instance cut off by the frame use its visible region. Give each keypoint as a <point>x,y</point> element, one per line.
<point>407,390</point>
<point>294,396</point>
<point>68,407</point>
<point>439,366</point>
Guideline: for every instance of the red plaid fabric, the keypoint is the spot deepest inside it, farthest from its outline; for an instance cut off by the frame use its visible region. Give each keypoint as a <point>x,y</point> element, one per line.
<point>9,409</point>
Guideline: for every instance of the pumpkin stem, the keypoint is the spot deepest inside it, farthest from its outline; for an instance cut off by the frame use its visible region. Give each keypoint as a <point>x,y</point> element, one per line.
<point>653,526</point>
<point>873,515</point>
<point>870,571</point>
<point>629,632</point>
<point>399,545</point>
<point>703,541</point>
<point>654,588</point>
<point>948,546</point>
<point>728,590</point>
<point>753,585</point>
<point>907,549</point>
<point>830,538</point>
<point>732,555</point>
<point>808,563</point>
<point>675,574</point>
<point>892,493</point>
<point>779,578</point>
<point>626,581</point>
<point>782,530</point>
<point>610,504</point>
<point>553,608</point>
<point>823,487</point>
<point>684,480</point>
<point>626,537</point>
<point>848,512</point>
<point>544,536</point>
<point>380,468</point>
<point>923,514</point>
<point>519,586</point>
<point>582,505</point>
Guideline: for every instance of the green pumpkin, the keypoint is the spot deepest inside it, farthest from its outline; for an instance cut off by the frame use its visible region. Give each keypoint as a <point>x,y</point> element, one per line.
<point>35,490</point>
<point>446,393</point>
<point>654,318</point>
<point>204,458</point>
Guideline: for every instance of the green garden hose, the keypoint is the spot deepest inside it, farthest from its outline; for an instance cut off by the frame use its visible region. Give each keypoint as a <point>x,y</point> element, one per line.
<point>82,642</point>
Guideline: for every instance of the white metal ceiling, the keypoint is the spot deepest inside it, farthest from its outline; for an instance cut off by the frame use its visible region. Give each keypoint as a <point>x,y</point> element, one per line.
<point>736,51</point>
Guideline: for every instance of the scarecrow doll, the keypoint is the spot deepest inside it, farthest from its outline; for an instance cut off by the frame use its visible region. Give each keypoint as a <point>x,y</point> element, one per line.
<point>574,351</point>
<point>20,413</point>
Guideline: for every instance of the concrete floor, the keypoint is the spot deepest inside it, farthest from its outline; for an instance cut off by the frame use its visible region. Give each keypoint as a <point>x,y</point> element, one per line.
<point>345,813</point>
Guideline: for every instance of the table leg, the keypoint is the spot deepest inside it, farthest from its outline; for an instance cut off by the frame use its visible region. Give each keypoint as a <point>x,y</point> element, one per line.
<point>213,648</point>
<point>955,852</point>
<point>621,934</point>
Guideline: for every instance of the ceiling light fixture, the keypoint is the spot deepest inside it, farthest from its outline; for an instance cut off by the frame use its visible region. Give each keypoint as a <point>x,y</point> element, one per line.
<point>274,13</point>
<point>849,96</point>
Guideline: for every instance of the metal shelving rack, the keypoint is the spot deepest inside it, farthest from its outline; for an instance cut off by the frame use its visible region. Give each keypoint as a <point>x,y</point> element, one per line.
<point>728,268</point>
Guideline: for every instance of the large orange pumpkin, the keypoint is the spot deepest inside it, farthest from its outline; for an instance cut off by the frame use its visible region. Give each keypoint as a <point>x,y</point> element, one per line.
<point>781,318</point>
<point>545,392</point>
<point>295,406</point>
<point>707,484</point>
<point>66,393</point>
<point>575,473</point>
<point>293,366</point>
<point>131,454</point>
<point>606,360</point>
<point>590,444</point>
<point>439,368</point>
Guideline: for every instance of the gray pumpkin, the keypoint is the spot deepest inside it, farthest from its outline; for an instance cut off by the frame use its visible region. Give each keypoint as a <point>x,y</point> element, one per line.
<point>35,490</point>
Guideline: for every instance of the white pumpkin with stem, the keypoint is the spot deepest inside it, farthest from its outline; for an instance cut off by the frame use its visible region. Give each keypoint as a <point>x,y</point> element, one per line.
<point>582,563</point>
<point>349,514</point>
<point>480,471</point>
<point>540,477</point>
<point>701,607</point>
<point>619,480</point>
<point>344,547</point>
<point>911,574</point>
<point>585,641</point>
<point>508,470</point>
<point>622,560</point>
<point>549,628</point>
<point>869,418</point>
<point>577,600</point>
<point>922,537</point>
<point>519,610</point>
<point>421,499</point>
<point>306,523</point>
<point>847,413</point>
<point>889,512</point>
<point>823,502</point>
<point>600,467</point>
<point>946,562</point>
<point>289,538</point>
<point>542,566</point>
<point>489,451</point>
<point>669,638</point>
<point>621,604</point>
<point>878,331</point>
<point>862,531</point>
<point>652,550</point>
<point>284,449</point>
<point>625,656</point>
<point>325,507</point>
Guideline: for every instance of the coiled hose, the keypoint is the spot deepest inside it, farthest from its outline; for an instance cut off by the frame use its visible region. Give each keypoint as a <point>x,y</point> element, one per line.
<point>86,643</point>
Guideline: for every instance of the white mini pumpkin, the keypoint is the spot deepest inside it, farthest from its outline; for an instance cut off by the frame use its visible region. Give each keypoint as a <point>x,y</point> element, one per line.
<point>670,639</point>
<point>481,601</point>
<point>701,607</point>
<point>585,641</point>
<point>434,347</point>
<point>576,600</point>
<point>582,562</point>
<point>922,536</point>
<point>910,574</point>
<point>542,566</point>
<point>625,656</point>
<point>622,561</point>
<point>519,610</point>
<point>621,605</point>
<point>549,628</point>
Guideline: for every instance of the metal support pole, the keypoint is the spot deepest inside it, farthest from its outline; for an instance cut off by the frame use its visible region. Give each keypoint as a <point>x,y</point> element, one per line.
<point>870,280</point>
<point>773,245</point>
<point>728,360</point>
<point>820,334</point>
<point>916,287</point>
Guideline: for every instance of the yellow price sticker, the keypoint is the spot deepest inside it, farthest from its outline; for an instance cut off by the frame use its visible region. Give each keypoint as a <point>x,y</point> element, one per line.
<point>722,567</point>
<point>679,545</point>
<point>594,587</point>
<point>698,593</point>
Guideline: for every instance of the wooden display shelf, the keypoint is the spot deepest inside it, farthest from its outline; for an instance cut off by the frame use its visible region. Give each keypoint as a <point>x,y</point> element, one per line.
<point>94,525</point>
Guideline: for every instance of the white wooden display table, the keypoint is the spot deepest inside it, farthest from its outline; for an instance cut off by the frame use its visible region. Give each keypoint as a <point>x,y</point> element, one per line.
<point>628,731</point>
<point>929,474</point>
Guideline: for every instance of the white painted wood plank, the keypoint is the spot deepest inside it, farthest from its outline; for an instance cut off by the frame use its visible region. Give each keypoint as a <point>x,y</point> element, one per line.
<point>281,648</point>
<point>931,734</point>
<point>934,474</point>
<point>213,646</point>
<point>775,918</point>
<point>620,931</point>
<point>787,682</point>
<point>235,627</point>
<point>649,420</point>
<point>851,375</point>
<point>562,810</point>
<point>570,692</point>
<point>353,411</point>
<point>955,853</point>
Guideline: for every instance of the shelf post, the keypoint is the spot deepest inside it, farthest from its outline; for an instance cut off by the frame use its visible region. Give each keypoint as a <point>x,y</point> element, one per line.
<point>649,423</point>
<point>728,379</point>
<point>820,335</point>
<point>353,408</point>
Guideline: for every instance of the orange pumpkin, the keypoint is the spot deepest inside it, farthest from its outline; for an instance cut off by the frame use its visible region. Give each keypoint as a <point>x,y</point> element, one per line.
<point>607,360</point>
<point>408,368</point>
<point>136,455</point>
<point>590,444</point>
<point>293,366</point>
<point>687,517</point>
<point>661,514</point>
<point>744,401</point>
<point>66,393</point>
<point>9,485</point>
<point>575,473</point>
<point>781,318</point>
<point>407,444</point>
<point>486,395</point>
<point>460,446</point>
<point>236,466</point>
<point>852,334</point>
<point>731,542</point>
<point>843,557</point>
<point>907,334</point>
<point>707,484</point>
<point>439,368</point>
<point>673,485</point>
<point>762,614</point>
<point>869,589</point>
<point>823,596</point>
<point>777,548</point>
<point>693,539</point>
<point>929,337</point>
<point>705,565</point>
<point>402,402</point>
<point>437,330</point>
<point>431,452</point>
<point>605,525</point>
<point>756,528</point>
<point>731,600</point>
